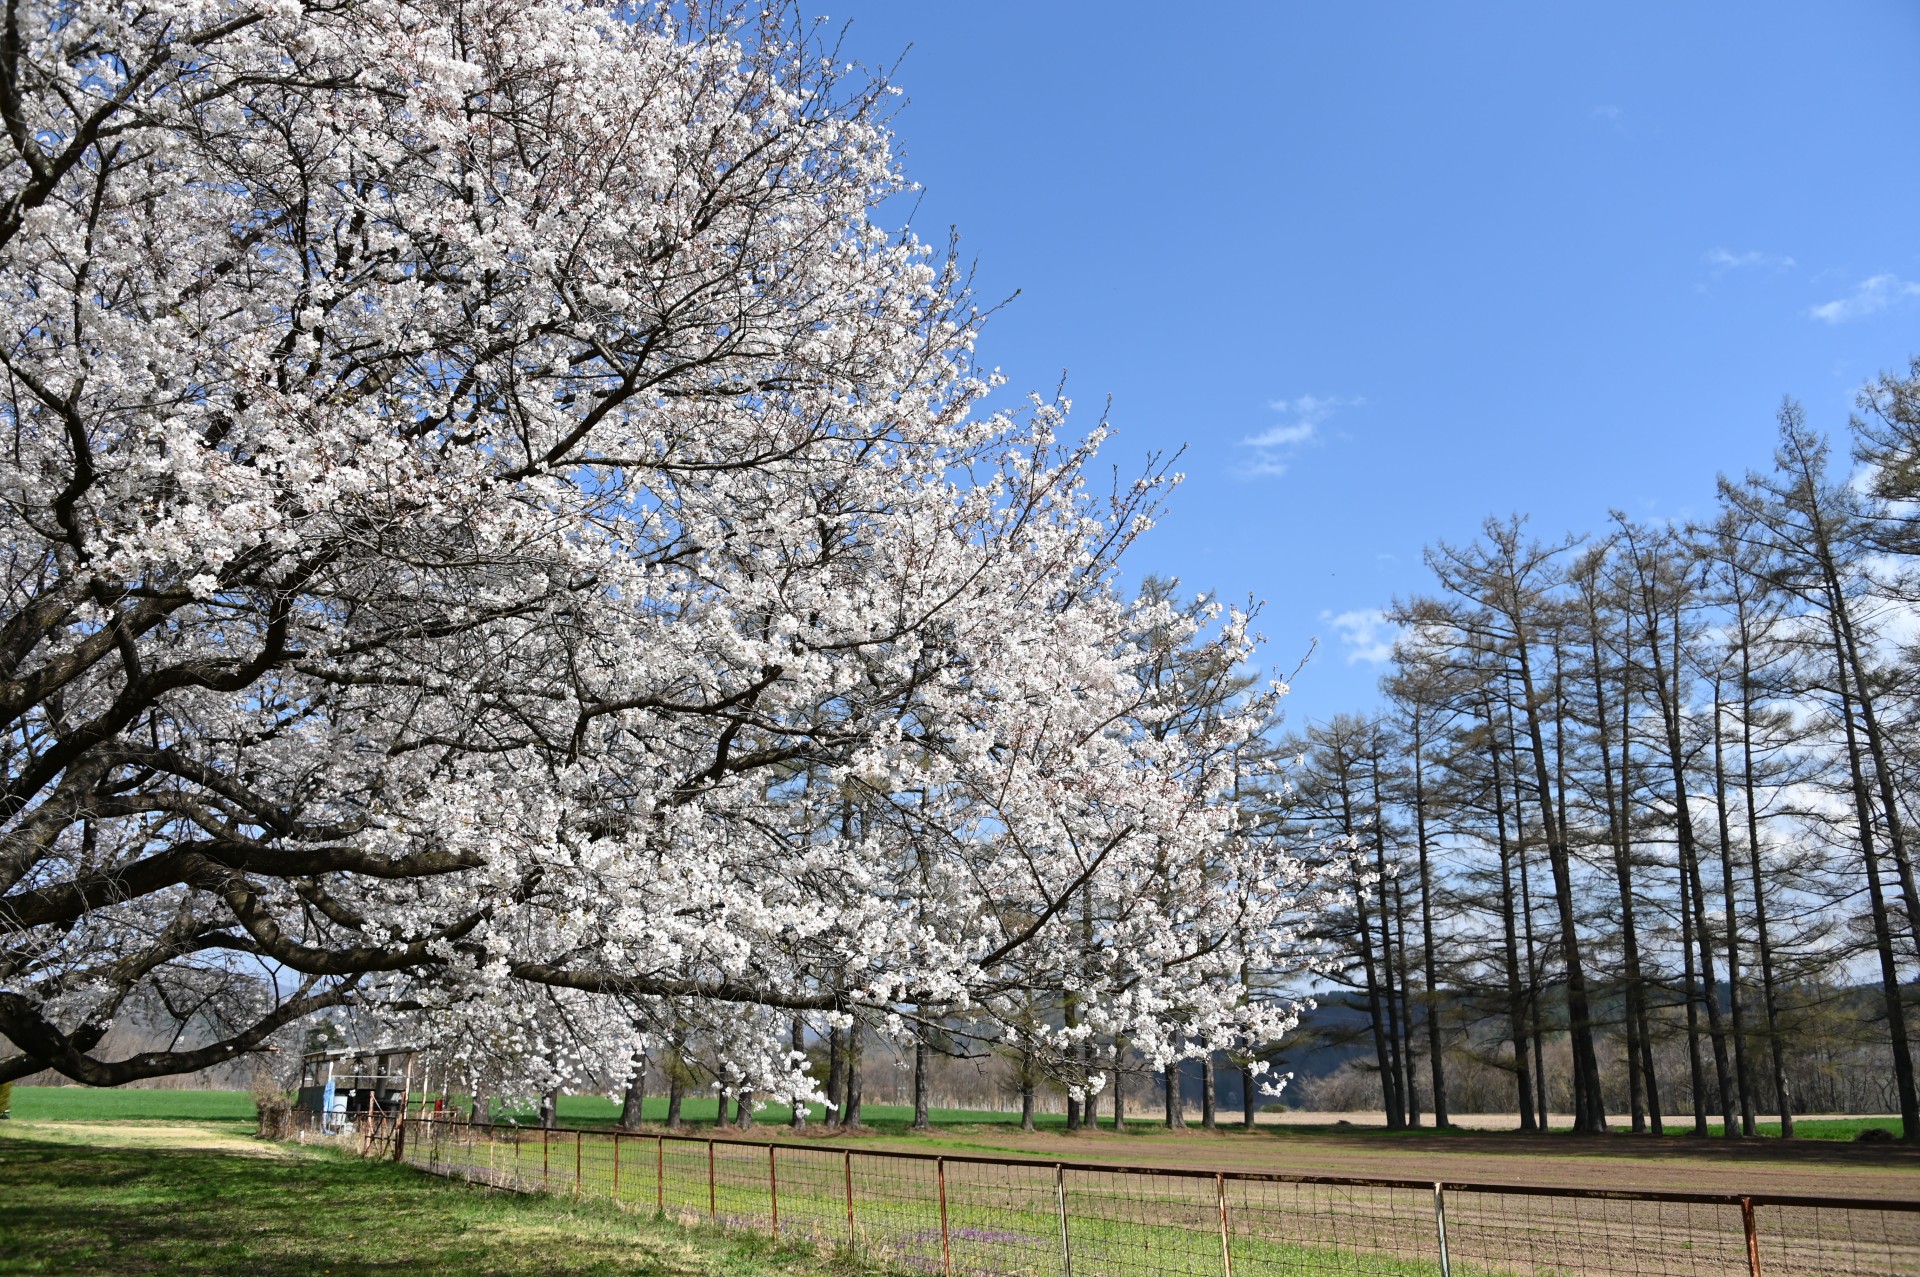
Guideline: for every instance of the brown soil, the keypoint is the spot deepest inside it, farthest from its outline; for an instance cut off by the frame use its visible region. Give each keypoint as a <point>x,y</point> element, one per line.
<point>1755,1167</point>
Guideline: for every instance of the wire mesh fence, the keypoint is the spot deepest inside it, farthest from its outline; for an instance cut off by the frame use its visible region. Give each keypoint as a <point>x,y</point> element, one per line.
<point>987,1216</point>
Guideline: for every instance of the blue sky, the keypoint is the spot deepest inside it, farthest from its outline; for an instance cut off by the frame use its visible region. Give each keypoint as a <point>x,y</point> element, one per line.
<point>1386,270</point>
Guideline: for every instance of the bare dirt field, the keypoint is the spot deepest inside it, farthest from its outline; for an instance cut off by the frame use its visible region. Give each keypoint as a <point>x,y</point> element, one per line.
<point>1614,1161</point>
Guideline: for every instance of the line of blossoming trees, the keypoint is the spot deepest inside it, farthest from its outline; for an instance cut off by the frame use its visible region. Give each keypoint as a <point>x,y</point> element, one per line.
<point>499,543</point>
<point>1642,807</point>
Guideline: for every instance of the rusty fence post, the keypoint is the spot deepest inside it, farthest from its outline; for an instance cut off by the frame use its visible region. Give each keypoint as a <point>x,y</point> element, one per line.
<point>847,1162</point>
<point>660,1173</point>
<point>616,1168</point>
<point>713,1199</point>
<point>546,1157</point>
<point>579,1138</point>
<point>1060,1198</point>
<point>1226,1244</point>
<point>1753,1236</point>
<point>946,1248</point>
<point>1440,1225</point>
<point>773,1189</point>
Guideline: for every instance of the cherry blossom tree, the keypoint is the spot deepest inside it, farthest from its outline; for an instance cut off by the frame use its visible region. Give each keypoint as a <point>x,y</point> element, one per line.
<point>485,499</point>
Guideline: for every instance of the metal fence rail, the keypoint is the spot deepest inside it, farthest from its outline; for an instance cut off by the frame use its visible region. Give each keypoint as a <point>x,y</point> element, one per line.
<point>975,1215</point>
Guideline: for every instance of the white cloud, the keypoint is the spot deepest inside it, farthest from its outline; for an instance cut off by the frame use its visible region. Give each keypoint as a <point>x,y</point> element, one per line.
<point>1869,297</point>
<point>1367,634</point>
<point>1274,447</point>
<point>1610,113</point>
<point>1281,436</point>
<point>1723,261</point>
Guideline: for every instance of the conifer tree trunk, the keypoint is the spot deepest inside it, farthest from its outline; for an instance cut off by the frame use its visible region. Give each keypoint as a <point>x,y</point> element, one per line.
<point>1783,1103</point>
<point>1617,837</point>
<point>1407,1083</point>
<point>1436,1063</point>
<point>1687,952</point>
<point>1534,1030</point>
<point>1882,927</point>
<point>1637,989</point>
<point>1731,906</point>
<point>1393,1079</point>
<point>1516,996</point>
<point>1589,1108</point>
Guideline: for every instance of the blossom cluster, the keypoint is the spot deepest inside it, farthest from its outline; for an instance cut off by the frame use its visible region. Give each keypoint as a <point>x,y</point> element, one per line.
<point>497,535</point>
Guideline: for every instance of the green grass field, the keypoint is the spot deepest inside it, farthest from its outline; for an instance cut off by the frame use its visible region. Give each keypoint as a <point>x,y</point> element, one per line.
<point>88,1104</point>
<point>999,1219</point>
<point>207,1203</point>
<point>79,1103</point>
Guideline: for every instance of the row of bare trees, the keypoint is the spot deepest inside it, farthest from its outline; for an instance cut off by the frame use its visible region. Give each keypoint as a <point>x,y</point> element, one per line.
<point>1646,788</point>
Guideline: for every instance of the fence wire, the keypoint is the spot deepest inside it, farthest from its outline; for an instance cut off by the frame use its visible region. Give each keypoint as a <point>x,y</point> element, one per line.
<point>989,1216</point>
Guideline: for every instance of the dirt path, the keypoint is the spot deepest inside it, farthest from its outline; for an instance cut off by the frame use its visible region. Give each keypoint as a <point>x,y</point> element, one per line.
<point>1811,1167</point>
<point>201,1137</point>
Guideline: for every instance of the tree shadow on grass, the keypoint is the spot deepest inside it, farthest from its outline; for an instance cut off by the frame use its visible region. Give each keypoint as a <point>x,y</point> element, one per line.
<point>82,1209</point>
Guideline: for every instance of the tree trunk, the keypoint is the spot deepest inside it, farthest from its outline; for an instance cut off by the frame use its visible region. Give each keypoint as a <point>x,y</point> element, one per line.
<point>676,1090</point>
<point>1590,1113</point>
<point>1687,952</point>
<point>1176,1102</point>
<point>549,1108</point>
<point>1207,1117</point>
<point>1403,1050</point>
<point>1026,1089</point>
<point>1436,1064</point>
<point>1618,837</point>
<point>1393,1080</point>
<point>1516,997</point>
<point>1535,1031</point>
<point>1656,1117</point>
<point>633,1103</point>
<point>853,1078</point>
<point>922,1063</point>
<point>798,1045</point>
<point>1882,926</point>
<point>1666,683</point>
<point>1730,905</point>
<point>836,1114</point>
<point>1782,1101</point>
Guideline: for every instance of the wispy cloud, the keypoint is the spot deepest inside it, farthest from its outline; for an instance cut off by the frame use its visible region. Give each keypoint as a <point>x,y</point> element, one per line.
<point>1611,114</point>
<point>1723,261</point>
<point>1274,447</point>
<point>1869,297</point>
<point>1366,633</point>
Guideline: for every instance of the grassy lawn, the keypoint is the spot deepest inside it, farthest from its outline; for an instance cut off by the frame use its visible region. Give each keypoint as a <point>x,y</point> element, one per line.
<point>88,1104</point>
<point>79,1103</point>
<point>196,1198</point>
